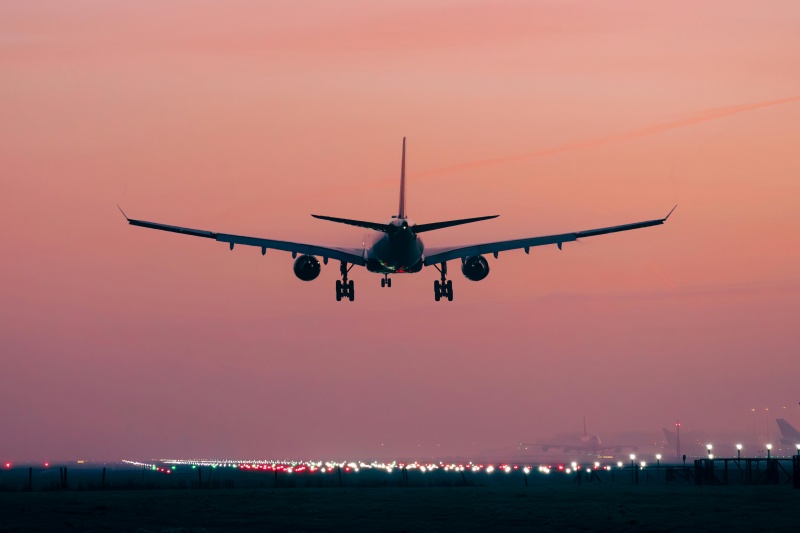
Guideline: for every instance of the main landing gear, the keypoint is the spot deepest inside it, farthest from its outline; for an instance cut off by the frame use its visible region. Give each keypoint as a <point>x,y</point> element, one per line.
<point>344,288</point>
<point>443,288</point>
<point>386,281</point>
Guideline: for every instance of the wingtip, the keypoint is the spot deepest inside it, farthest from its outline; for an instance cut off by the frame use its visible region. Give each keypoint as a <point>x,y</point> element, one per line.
<point>670,212</point>
<point>123,213</point>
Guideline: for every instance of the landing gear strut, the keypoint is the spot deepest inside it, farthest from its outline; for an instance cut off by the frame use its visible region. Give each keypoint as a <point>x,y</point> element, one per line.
<point>344,288</point>
<point>443,288</point>
<point>386,281</point>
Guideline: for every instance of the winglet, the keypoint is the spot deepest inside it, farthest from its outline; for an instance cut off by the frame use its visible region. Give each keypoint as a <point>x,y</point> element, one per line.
<point>670,212</point>
<point>123,213</point>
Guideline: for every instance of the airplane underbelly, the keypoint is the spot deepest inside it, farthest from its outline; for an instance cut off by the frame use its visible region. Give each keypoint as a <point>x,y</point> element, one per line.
<point>388,257</point>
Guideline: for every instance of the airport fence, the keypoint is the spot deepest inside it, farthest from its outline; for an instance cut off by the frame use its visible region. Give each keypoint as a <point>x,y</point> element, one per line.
<point>703,472</point>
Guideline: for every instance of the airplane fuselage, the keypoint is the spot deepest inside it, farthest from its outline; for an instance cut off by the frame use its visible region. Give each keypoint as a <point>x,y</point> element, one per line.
<point>395,252</point>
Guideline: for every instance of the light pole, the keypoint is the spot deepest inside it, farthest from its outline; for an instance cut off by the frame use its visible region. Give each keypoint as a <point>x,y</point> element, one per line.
<point>796,468</point>
<point>738,452</point>
<point>658,465</point>
<point>708,448</point>
<point>769,449</point>
<point>633,468</point>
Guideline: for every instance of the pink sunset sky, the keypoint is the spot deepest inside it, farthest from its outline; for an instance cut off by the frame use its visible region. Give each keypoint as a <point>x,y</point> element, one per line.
<point>245,117</point>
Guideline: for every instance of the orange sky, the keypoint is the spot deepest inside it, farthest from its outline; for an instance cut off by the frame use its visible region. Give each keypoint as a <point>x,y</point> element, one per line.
<point>247,117</point>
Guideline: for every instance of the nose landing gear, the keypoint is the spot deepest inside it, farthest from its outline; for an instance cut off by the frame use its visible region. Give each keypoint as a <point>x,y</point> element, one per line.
<point>386,281</point>
<point>344,288</point>
<point>443,288</point>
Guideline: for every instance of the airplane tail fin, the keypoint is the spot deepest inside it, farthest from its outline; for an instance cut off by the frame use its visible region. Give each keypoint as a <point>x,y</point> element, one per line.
<point>670,436</point>
<point>787,430</point>
<point>402,210</point>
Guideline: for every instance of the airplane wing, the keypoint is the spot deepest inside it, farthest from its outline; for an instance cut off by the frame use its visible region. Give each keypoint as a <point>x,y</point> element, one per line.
<point>348,255</point>
<point>442,254</point>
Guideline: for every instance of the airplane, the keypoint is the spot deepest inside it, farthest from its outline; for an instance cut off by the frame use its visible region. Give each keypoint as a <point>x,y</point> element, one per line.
<point>588,444</point>
<point>396,247</point>
<point>789,435</point>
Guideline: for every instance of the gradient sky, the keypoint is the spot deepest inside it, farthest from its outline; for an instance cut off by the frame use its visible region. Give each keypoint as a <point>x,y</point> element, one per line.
<point>245,117</point>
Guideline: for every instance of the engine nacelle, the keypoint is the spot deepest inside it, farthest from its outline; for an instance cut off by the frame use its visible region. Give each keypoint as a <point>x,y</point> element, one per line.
<point>306,267</point>
<point>475,268</point>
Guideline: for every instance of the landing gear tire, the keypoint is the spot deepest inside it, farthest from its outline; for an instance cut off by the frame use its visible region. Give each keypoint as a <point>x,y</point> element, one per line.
<point>383,283</point>
<point>443,287</point>
<point>344,288</point>
<point>389,282</point>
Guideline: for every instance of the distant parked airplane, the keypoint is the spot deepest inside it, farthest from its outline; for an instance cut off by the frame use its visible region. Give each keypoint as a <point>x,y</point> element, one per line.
<point>396,247</point>
<point>789,435</point>
<point>587,444</point>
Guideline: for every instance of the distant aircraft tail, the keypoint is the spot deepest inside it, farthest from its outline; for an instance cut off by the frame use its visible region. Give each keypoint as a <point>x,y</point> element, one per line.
<point>788,431</point>
<point>670,436</point>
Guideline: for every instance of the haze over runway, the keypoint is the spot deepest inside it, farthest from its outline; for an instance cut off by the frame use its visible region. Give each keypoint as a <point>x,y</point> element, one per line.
<point>247,117</point>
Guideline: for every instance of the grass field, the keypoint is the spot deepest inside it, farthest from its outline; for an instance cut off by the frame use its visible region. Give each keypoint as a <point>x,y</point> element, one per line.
<point>560,507</point>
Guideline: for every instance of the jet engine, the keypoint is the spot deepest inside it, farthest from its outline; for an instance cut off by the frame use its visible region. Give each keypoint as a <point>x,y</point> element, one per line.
<point>475,268</point>
<point>306,267</point>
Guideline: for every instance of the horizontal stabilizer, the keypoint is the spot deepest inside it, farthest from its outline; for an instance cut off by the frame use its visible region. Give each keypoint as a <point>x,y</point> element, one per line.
<point>420,228</point>
<point>360,223</point>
